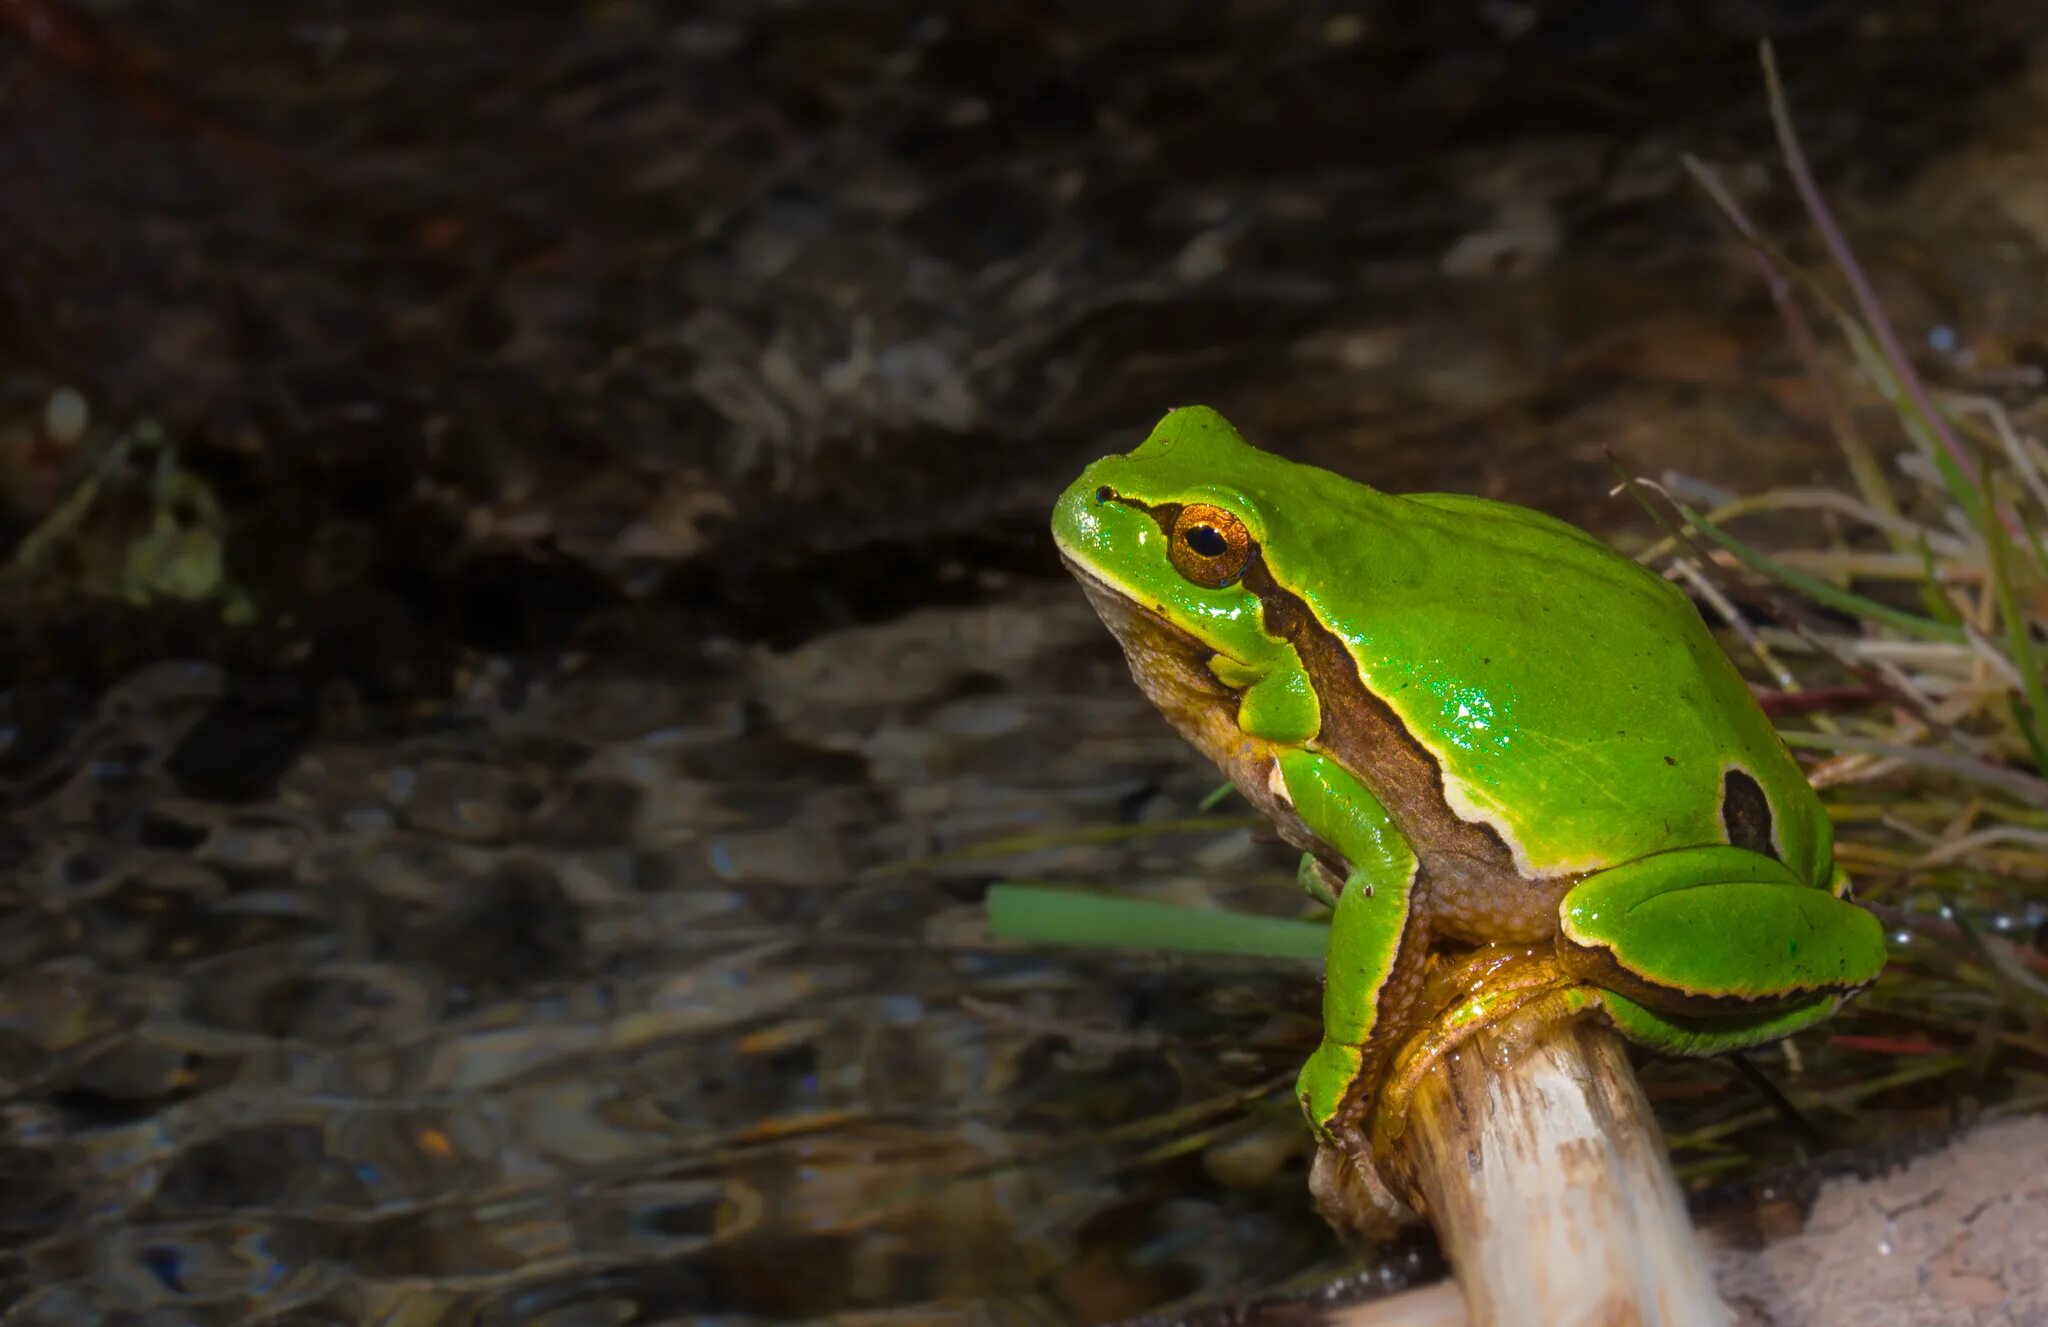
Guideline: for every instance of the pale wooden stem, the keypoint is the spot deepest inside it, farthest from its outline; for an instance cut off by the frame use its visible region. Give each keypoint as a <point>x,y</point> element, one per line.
<point>1547,1180</point>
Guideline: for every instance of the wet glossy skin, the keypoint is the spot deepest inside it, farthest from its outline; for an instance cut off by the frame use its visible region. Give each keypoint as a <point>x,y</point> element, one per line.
<point>1480,724</point>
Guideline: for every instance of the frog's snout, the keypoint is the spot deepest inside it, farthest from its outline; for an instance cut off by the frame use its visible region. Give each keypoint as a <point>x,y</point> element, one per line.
<point>1074,522</point>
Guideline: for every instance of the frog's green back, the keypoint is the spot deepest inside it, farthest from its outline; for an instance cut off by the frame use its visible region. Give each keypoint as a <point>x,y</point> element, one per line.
<point>1573,698</point>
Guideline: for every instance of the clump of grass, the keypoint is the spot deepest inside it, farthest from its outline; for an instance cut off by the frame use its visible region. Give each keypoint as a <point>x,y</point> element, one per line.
<point>1902,626</point>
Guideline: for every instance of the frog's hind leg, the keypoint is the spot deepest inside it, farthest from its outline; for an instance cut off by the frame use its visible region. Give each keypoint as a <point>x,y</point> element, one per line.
<point>1514,992</point>
<point>1715,936</point>
<point>1679,1034</point>
<point>1538,995</point>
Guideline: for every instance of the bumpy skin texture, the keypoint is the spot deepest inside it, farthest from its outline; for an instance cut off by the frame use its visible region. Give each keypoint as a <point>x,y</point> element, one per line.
<point>1523,708</point>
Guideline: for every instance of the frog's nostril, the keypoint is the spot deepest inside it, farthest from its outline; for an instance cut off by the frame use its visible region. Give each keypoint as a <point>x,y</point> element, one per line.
<point>1105,494</point>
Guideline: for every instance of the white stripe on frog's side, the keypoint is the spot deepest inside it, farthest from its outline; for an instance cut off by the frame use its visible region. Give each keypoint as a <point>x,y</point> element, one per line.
<point>1465,806</point>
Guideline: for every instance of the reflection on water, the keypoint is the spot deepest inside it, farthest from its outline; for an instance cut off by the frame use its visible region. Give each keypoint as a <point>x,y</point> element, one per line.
<point>571,1001</point>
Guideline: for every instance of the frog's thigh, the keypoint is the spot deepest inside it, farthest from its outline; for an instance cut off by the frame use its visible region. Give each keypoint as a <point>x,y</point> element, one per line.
<point>1367,930</point>
<point>1716,930</point>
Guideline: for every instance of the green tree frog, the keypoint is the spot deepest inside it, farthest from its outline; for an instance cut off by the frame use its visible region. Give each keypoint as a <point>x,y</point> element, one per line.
<point>1483,727</point>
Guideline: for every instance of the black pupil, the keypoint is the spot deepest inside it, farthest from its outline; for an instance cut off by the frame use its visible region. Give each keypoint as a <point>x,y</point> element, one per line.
<point>1104,494</point>
<point>1207,541</point>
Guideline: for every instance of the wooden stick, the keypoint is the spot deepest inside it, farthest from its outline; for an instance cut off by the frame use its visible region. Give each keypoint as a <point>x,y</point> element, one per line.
<point>1547,1180</point>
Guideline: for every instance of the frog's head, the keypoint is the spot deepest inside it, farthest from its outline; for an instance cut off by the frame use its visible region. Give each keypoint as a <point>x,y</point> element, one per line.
<point>1165,532</point>
<point>1166,540</point>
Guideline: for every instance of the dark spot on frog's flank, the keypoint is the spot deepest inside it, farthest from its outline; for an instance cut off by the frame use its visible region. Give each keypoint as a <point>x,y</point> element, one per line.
<point>1746,813</point>
<point>1670,761</point>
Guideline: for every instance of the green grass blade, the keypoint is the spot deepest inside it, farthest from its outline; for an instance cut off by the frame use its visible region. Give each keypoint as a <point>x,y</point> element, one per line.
<point>2030,708</point>
<point>1819,590</point>
<point>1044,914</point>
<point>2033,542</point>
<point>1938,605</point>
<point>1927,435</point>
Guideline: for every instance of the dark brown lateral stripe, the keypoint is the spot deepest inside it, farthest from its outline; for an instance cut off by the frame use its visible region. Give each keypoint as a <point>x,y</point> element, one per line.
<point>1368,738</point>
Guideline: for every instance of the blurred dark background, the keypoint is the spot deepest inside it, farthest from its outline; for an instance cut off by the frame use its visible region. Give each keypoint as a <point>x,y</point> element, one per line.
<point>522,518</point>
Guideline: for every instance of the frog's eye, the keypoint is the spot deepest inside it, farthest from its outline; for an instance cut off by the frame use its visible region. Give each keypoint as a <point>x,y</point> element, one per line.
<point>1209,546</point>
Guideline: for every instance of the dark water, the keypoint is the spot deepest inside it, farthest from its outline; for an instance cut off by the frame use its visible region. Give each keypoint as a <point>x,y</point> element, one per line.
<point>563,904</point>
<point>588,997</point>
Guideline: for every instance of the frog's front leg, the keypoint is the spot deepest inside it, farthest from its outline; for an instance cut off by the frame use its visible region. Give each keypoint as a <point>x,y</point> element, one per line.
<point>1376,944</point>
<point>1711,949</point>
